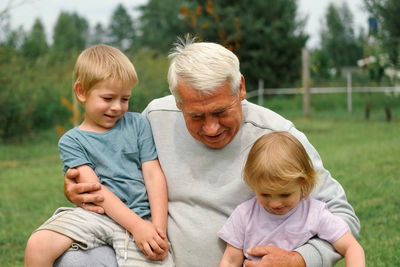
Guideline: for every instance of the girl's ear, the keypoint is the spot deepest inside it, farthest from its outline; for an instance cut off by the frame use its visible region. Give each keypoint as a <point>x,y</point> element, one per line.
<point>79,92</point>
<point>305,192</point>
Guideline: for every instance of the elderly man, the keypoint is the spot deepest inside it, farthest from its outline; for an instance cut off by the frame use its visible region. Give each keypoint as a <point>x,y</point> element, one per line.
<point>203,134</point>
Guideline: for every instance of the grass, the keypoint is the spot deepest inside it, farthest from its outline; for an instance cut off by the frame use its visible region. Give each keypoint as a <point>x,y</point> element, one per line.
<point>364,156</point>
<point>31,187</point>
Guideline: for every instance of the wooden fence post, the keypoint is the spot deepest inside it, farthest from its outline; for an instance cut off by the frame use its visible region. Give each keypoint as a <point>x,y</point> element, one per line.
<point>260,97</point>
<point>306,82</point>
<point>349,100</point>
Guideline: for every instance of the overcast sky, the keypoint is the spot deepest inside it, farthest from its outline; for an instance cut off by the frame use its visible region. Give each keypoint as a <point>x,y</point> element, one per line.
<point>24,12</point>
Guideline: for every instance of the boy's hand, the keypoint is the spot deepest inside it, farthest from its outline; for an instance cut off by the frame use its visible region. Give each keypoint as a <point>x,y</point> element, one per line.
<point>149,241</point>
<point>164,245</point>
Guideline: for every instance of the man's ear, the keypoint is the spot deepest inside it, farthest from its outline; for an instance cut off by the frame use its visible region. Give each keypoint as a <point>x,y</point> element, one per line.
<point>242,89</point>
<point>79,92</point>
<point>178,103</point>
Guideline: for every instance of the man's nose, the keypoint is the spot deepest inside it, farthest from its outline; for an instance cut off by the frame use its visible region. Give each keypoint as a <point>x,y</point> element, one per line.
<point>211,125</point>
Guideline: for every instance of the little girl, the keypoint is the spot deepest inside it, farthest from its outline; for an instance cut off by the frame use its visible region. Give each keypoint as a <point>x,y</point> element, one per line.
<point>281,214</point>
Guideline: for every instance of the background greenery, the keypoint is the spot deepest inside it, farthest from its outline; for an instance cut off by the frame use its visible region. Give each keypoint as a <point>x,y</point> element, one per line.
<point>362,155</point>
<point>36,70</point>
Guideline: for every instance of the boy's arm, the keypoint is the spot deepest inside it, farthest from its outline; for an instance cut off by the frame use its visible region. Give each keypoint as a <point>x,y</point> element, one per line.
<point>233,257</point>
<point>156,187</point>
<point>144,233</point>
<point>157,192</point>
<point>351,250</point>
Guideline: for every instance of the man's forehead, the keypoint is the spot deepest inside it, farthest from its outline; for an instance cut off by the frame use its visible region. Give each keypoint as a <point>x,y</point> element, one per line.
<point>206,107</point>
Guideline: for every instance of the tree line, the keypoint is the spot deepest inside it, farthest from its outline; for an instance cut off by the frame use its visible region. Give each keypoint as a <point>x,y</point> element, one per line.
<point>267,36</point>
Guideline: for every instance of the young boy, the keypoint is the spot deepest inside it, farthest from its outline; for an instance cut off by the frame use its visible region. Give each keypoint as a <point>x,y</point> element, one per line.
<point>115,147</point>
<point>281,174</point>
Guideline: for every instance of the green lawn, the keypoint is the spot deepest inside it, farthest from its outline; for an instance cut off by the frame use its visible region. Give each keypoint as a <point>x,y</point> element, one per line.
<point>363,155</point>
<point>365,158</point>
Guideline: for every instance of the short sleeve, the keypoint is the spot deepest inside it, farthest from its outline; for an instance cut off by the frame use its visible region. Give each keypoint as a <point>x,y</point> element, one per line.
<point>147,148</point>
<point>233,231</point>
<point>331,227</point>
<point>72,152</point>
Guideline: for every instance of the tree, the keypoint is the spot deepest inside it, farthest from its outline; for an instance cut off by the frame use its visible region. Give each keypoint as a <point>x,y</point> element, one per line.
<point>121,30</point>
<point>386,12</point>
<point>35,44</point>
<point>161,24</point>
<point>99,35</point>
<point>70,33</point>
<point>267,36</point>
<point>320,64</point>
<point>338,39</point>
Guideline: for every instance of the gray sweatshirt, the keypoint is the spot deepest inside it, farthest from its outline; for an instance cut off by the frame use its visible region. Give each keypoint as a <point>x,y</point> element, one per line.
<point>205,184</point>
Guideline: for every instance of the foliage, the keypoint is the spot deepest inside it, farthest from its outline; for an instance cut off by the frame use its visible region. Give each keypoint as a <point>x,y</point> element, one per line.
<point>320,64</point>
<point>121,29</point>
<point>386,12</point>
<point>35,44</point>
<point>160,24</point>
<point>33,102</point>
<point>70,34</point>
<point>338,39</point>
<point>267,38</point>
<point>99,35</point>
<point>152,68</point>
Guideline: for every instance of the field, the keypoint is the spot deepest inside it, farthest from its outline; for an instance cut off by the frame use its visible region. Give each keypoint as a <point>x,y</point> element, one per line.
<point>364,156</point>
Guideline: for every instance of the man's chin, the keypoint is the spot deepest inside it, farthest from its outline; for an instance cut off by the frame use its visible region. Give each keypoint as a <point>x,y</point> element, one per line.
<point>217,144</point>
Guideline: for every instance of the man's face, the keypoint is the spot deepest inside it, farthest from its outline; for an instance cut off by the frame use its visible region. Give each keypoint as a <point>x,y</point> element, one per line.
<point>213,119</point>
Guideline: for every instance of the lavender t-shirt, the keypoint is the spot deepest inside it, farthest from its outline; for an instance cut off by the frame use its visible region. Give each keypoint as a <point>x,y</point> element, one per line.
<point>250,225</point>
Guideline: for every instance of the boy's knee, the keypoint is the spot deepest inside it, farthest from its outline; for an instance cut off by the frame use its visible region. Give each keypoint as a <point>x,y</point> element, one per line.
<point>38,251</point>
<point>36,240</point>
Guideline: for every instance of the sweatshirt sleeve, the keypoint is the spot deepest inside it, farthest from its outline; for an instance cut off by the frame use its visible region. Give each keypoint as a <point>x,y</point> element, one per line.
<point>318,252</point>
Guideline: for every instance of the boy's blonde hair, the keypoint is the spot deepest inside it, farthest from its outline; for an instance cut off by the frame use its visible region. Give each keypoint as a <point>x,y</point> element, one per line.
<point>278,160</point>
<point>101,62</point>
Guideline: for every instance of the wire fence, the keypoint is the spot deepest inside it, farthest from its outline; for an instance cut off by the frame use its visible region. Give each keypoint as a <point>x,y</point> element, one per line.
<point>349,90</point>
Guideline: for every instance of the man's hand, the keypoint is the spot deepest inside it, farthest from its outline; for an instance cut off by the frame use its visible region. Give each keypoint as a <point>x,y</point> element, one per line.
<point>274,257</point>
<point>82,194</point>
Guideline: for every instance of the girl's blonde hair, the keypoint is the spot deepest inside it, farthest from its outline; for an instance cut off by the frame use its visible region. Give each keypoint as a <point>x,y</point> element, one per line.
<point>101,62</point>
<point>276,161</point>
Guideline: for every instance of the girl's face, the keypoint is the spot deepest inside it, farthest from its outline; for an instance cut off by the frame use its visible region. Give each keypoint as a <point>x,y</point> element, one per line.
<point>281,202</point>
<point>105,104</point>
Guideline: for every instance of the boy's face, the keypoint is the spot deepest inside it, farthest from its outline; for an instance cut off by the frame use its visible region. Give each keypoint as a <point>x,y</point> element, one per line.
<point>280,202</point>
<point>105,104</point>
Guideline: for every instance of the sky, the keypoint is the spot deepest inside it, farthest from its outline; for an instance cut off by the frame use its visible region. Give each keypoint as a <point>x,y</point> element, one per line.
<point>24,12</point>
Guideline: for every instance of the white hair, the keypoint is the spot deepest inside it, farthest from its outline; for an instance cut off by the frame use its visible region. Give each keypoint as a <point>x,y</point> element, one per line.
<point>202,65</point>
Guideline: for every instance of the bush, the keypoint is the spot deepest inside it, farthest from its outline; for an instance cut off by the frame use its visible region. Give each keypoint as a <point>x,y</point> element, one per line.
<point>31,91</point>
<point>30,95</point>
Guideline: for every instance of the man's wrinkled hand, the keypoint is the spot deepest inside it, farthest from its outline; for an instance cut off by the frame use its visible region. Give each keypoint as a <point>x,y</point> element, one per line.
<point>82,194</point>
<point>274,257</point>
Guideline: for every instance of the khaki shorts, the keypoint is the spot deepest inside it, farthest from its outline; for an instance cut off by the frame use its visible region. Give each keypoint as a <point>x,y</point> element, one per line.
<point>90,230</point>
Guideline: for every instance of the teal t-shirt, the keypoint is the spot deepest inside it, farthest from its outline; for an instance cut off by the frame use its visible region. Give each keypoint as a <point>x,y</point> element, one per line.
<point>116,156</point>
